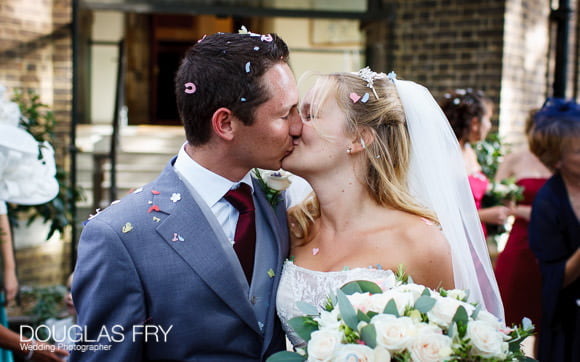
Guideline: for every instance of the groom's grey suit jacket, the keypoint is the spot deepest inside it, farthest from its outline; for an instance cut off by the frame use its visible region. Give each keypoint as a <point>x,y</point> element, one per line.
<point>160,258</point>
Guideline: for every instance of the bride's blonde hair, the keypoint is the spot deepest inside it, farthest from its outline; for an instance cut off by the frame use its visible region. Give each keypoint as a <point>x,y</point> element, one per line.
<point>387,156</point>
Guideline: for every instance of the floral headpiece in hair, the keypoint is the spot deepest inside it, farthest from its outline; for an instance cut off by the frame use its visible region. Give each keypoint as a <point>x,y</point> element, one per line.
<point>369,76</point>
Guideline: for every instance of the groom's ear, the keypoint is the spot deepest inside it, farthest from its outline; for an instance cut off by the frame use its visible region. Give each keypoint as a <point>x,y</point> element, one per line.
<point>364,139</point>
<point>221,122</point>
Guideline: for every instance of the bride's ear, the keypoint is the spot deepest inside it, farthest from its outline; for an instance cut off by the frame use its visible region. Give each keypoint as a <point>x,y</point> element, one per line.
<point>363,140</point>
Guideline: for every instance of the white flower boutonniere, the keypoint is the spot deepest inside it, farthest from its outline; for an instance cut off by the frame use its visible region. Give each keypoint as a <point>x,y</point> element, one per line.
<point>273,183</point>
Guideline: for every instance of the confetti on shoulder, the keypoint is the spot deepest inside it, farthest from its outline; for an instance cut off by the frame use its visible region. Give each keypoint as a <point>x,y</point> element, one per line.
<point>153,208</point>
<point>140,189</point>
<point>155,192</point>
<point>271,273</point>
<point>127,227</point>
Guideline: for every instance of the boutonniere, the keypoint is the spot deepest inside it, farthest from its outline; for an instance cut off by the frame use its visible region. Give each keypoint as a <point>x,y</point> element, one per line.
<point>273,183</point>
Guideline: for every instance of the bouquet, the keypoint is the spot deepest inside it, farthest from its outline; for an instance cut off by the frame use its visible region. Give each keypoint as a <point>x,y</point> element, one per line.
<point>506,192</point>
<point>406,323</point>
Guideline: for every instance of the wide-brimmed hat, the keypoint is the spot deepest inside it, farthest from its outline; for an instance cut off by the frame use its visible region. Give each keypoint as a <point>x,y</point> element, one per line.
<point>27,167</point>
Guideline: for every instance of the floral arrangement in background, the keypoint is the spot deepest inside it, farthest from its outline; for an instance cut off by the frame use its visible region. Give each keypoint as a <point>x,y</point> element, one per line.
<point>406,323</point>
<point>506,192</point>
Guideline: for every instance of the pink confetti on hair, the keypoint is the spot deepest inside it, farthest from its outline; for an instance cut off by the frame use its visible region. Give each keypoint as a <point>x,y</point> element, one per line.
<point>190,88</point>
<point>200,40</point>
<point>315,251</point>
<point>267,38</point>
<point>354,97</point>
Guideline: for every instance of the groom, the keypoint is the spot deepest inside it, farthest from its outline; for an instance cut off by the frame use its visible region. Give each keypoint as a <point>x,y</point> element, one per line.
<point>186,267</point>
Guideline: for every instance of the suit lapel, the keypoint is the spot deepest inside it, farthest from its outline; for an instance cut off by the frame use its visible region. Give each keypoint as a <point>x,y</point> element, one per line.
<point>276,220</point>
<point>189,233</point>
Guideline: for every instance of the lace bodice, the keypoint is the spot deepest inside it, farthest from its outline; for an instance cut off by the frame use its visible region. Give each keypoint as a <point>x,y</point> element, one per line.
<point>314,287</point>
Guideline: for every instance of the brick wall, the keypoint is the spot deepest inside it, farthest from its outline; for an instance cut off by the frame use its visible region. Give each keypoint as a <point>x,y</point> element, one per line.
<point>499,46</point>
<point>36,53</point>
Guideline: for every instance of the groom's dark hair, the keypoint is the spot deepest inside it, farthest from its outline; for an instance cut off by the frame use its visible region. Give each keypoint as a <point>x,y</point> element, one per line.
<point>225,70</point>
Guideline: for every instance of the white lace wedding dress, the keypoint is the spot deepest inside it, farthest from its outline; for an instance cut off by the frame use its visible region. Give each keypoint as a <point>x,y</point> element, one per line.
<point>314,287</point>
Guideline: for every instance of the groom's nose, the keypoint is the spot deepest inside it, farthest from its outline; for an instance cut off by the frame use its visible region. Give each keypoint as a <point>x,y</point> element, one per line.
<point>295,123</point>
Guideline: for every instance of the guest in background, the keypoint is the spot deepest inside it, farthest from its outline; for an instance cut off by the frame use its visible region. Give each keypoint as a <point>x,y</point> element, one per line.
<point>10,282</point>
<point>24,179</point>
<point>554,229</point>
<point>516,269</point>
<point>39,351</point>
<point>469,114</point>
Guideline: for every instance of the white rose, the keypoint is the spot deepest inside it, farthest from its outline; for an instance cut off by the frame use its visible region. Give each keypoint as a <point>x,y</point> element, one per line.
<point>487,341</point>
<point>486,316</point>
<point>415,289</point>
<point>322,345</point>
<point>277,180</point>
<point>402,299</point>
<point>430,347</point>
<point>444,309</point>
<point>360,301</point>
<point>354,353</point>
<point>382,354</point>
<point>377,302</point>
<point>393,333</point>
<point>328,320</point>
<point>458,294</point>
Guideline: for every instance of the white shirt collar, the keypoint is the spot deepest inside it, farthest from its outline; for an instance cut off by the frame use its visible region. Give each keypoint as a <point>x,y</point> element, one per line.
<point>209,185</point>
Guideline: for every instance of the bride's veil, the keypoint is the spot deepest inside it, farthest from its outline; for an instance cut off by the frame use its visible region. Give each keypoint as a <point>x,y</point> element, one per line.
<point>437,178</point>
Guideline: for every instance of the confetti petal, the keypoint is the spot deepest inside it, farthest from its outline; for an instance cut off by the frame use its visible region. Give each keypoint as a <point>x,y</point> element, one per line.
<point>267,38</point>
<point>180,238</point>
<point>354,97</point>
<point>243,99</point>
<point>155,192</point>
<point>315,251</point>
<point>190,88</point>
<point>174,237</point>
<point>115,202</point>
<point>153,208</point>
<point>175,197</point>
<point>365,98</point>
<point>256,48</point>
<point>127,227</point>
<point>248,67</point>
<point>271,273</point>
<point>138,190</point>
<point>156,219</point>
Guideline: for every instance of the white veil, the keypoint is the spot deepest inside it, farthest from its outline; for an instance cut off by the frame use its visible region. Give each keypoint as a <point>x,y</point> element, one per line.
<point>437,178</point>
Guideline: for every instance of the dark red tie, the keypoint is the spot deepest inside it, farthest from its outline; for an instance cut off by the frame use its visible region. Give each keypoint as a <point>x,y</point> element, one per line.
<point>245,237</point>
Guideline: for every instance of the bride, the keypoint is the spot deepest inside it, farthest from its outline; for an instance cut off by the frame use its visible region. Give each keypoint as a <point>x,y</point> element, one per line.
<point>388,189</point>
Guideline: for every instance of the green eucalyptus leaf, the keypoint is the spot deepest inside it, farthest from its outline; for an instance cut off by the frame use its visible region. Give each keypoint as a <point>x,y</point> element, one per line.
<point>362,317</point>
<point>424,304</point>
<point>347,310</point>
<point>368,334</point>
<point>361,286</point>
<point>303,326</point>
<point>307,308</point>
<point>391,308</point>
<point>286,356</point>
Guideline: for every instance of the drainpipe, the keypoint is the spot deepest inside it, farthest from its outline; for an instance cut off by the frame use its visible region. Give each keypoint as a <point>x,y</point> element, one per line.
<point>73,134</point>
<point>562,18</point>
